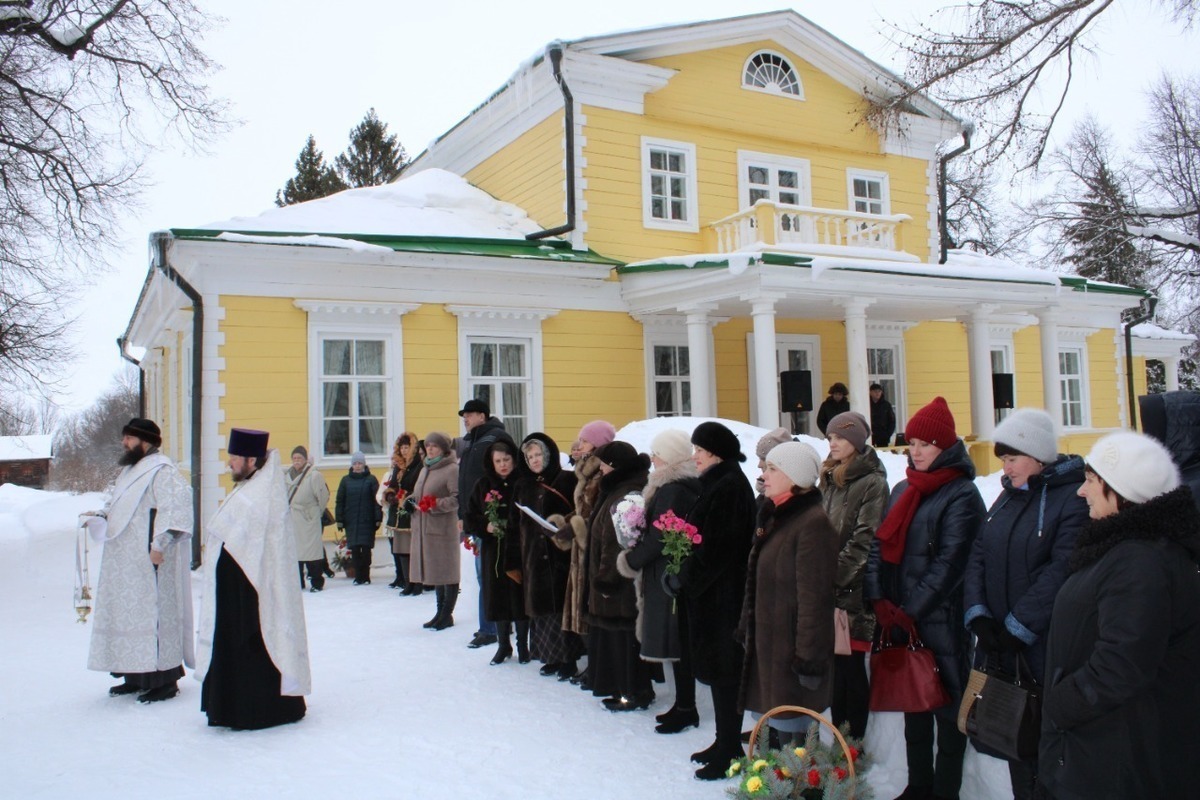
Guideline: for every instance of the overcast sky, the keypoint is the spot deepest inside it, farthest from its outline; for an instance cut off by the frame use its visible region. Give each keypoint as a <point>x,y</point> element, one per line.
<point>300,67</point>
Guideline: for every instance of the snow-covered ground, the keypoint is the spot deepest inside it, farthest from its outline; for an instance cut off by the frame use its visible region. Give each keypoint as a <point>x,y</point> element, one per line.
<point>396,711</point>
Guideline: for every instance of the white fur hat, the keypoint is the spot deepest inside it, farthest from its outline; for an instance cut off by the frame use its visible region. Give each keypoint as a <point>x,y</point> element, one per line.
<point>797,460</point>
<point>673,446</point>
<point>1029,431</point>
<point>1136,466</point>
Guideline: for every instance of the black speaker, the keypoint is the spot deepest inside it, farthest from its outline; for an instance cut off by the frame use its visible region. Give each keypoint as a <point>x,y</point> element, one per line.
<point>795,390</point>
<point>1002,390</point>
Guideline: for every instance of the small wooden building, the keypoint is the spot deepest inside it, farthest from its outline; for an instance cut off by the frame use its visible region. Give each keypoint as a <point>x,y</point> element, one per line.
<point>25,460</point>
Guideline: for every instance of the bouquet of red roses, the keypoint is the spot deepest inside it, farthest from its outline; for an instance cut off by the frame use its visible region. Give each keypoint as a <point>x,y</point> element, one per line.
<point>427,503</point>
<point>493,505</point>
<point>679,537</point>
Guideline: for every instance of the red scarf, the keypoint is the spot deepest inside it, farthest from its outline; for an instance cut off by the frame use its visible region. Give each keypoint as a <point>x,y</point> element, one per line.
<point>893,531</point>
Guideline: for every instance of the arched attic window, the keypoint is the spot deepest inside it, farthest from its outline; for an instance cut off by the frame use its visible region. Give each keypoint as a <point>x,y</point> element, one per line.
<point>772,73</point>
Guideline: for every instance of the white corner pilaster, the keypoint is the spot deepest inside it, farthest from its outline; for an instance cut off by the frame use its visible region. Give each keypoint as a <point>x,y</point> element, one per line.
<point>979,365</point>
<point>699,358</point>
<point>766,394</point>
<point>855,318</point>
<point>1051,383</point>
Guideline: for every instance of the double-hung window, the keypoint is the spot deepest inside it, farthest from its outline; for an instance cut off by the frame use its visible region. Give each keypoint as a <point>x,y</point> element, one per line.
<point>500,376</point>
<point>672,381</point>
<point>669,185</point>
<point>1072,381</point>
<point>354,396</point>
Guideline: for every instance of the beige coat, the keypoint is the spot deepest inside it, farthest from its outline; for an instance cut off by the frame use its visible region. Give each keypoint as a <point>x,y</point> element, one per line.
<point>435,541</point>
<point>572,536</point>
<point>308,500</point>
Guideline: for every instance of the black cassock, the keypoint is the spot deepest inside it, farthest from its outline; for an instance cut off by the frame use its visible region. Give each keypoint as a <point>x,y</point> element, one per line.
<point>241,689</point>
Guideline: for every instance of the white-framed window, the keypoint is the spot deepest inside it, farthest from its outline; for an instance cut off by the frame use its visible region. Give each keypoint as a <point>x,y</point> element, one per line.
<point>356,389</point>
<point>882,367</point>
<point>500,362</point>
<point>770,72</point>
<point>669,194</point>
<point>885,364</point>
<point>1002,365</point>
<point>1072,381</point>
<point>780,178</point>
<point>868,191</point>
<point>672,380</point>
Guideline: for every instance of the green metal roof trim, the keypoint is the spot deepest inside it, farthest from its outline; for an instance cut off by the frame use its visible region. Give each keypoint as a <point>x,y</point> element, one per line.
<point>777,259</point>
<point>1084,285</point>
<point>545,249</point>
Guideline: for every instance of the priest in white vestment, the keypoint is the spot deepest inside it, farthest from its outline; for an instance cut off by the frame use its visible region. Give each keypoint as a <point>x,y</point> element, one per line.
<point>143,620</point>
<point>252,648</point>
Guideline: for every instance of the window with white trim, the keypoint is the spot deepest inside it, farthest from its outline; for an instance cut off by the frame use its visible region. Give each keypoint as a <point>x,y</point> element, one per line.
<point>500,376</point>
<point>669,185</point>
<point>868,191</point>
<point>1002,365</point>
<point>882,363</point>
<point>1072,381</point>
<point>766,71</point>
<point>672,381</point>
<point>354,396</point>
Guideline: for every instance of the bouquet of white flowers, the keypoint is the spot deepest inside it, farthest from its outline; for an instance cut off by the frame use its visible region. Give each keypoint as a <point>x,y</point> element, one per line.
<point>629,518</point>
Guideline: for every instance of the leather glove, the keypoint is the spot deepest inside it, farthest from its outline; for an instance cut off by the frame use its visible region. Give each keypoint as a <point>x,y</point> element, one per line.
<point>988,632</point>
<point>671,584</point>
<point>903,621</point>
<point>809,674</point>
<point>1010,642</point>
<point>410,504</point>
<point>885,613</point>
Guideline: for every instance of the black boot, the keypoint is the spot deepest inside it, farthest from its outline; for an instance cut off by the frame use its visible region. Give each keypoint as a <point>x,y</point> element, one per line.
<point>301,575</point>
<point>449,598</point>
<point>164,692</point>
<point>729,726</point>
<point>440,593</point>
<point>523,641</point>
<point>677,719</point>
<point>400,581</point>
<point>504,651</point>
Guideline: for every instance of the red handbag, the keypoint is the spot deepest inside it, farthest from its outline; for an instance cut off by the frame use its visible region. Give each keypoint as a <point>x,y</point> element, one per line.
<point>905,677</point>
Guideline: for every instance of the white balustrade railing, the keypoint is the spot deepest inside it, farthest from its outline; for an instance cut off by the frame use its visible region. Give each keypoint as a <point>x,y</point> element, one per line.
<point>767,222</point>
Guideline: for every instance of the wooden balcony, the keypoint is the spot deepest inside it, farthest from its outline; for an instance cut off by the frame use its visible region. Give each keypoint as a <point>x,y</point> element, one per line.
<point>771,223</point>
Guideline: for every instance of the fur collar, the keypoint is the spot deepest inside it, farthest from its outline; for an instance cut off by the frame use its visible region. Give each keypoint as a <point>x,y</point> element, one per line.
<point>1170,517</point>
<point>669,474</point>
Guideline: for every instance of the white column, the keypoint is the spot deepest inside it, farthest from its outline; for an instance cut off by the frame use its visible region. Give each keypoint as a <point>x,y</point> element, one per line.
<point>699,357</point>
<point>856,355</point>
<point>1171,372</point>
<point>765,380</point>
<point>1051,386</point>
<point>979,360</point>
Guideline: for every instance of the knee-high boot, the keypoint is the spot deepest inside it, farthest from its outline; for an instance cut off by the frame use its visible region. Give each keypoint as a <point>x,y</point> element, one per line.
<point>439,593</point>
<point>504,648</point>
<point>728,745</point>
<point>522,641</point>
<point>449,599</point>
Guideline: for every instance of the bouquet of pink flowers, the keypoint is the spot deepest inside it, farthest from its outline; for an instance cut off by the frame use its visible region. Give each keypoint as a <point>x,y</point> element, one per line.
<point>629,519</point>
<point>679,537</point>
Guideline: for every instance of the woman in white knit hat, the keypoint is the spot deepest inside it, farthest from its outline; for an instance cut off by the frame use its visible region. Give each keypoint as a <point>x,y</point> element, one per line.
<point>1121,703</point>
<point>1020,557</point>
<point>787,617</point>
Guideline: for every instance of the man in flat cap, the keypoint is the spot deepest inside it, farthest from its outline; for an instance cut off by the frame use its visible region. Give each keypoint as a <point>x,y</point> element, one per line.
<point>143,623</point>
<point>252,648</point>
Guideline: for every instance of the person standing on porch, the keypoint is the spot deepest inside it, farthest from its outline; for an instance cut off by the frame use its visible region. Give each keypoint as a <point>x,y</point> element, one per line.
<point>143,624</point>
<point>883,417</point>
<point>252,646</point>
<point>838,402</point>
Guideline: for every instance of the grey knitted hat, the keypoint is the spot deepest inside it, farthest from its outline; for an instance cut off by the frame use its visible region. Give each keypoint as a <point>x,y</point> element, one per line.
<point>797,460</point>
<point>1029,431</point>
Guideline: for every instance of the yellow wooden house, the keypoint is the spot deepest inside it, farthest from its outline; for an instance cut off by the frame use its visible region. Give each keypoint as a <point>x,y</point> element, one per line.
<point>638,224</point>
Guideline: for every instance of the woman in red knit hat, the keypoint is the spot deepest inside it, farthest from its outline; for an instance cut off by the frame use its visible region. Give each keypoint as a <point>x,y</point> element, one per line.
<point>914,581</point>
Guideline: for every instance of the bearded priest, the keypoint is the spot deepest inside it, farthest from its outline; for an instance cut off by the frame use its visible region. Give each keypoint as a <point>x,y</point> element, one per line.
<point>252,648</point>
<point>143,623</point>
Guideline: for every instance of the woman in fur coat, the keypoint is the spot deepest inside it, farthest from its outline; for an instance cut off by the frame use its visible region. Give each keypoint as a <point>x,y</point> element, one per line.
<point>395,488</point>
<point>673,486</point>
<point>500,549</point>
<point>787,617</point>
<point>855,493</point>
<point>547,490</point>
<point>1121,703</point>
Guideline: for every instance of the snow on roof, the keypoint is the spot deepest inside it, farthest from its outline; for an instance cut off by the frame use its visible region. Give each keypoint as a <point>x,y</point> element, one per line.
<point>432,202</point>
<point>1148,330</point>
<point>25,448</point>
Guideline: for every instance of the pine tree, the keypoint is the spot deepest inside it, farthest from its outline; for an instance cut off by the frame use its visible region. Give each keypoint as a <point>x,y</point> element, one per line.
<point>373,157</point>
<point>1097,244</point>
<point>314,178</point>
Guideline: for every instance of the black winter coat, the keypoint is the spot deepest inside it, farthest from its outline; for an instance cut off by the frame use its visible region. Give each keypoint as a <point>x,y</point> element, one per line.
<point>883,422</point>
<point>470,450</point>
<point>1121,706</point>
<point>829,409</point>
<point>713,578</point>
<point>1021,556</point>
<point>396,515</point>
<point>1174,419</point>
<point>611,598</point>
<point>356,510</point>
<point>928,582</point>
<point>503,598</point>
<point>545,566</point>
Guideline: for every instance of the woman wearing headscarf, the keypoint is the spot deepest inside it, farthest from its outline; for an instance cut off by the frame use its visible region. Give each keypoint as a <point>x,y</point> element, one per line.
<point>358,515</point>
<point>1022,555</point>
<point>673,486</point>
<point>611,612</point>
<point>500,548</point>
<point>572,534</point>
<point>787,617</point>
<point>308,495</point>
<point>914,581</point>
<point>435,559</point>
<point>546,490</point>
<point>712,585</point>
<point>1121,703</point>
<point>854,494</point>
<point>397,485</point>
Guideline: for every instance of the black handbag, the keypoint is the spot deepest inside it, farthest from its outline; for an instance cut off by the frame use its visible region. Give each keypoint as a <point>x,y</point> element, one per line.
<point>326,518</point>
<point>1007,713</point>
